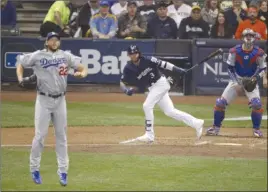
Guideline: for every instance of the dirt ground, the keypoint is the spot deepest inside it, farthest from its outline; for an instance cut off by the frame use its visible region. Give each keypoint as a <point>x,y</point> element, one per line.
<point>169,140</point>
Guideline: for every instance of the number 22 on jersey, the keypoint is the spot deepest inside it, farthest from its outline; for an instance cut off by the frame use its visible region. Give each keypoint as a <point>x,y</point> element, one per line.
<point>63,70</point>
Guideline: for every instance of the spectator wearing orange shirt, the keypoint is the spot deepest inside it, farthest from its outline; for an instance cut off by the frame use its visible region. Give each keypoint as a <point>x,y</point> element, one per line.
<point>253,23</point>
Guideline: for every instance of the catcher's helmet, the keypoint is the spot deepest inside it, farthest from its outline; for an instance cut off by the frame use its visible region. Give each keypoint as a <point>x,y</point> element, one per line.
<point>132,49</point>
<point>249,37</point>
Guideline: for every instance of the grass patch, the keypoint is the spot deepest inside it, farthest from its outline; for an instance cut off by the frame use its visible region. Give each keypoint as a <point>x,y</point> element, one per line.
<point>20,114</point>
<point>108,172</point>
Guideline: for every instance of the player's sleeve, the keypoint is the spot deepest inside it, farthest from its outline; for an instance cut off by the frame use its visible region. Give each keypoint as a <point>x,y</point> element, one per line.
<point>166,65</point>
<point>73,61</point>
<point>262,65</point>
<point>231,65</point>
<point>231,57</point>
<point>27,60</point>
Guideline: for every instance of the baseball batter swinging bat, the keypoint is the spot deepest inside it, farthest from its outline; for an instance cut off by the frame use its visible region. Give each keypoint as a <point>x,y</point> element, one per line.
<point>211,55</point>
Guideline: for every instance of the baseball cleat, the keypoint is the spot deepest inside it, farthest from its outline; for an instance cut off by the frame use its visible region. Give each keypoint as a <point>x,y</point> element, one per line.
<point>199,128</point>
<point>63,178</point>
<point>257,133</point>
<point>213,131</point>
<point>146,138</point>
<point>36,177</point>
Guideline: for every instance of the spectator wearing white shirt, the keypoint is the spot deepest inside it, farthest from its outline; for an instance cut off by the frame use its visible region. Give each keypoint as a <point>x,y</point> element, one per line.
<point>178,11</point>
<point>119,8</point>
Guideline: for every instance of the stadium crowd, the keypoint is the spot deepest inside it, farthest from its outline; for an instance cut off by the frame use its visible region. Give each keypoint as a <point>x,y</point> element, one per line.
<point>159,19</point>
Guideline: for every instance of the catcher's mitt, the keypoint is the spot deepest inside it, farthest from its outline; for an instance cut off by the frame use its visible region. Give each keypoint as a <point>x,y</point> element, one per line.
<point>249,83</point>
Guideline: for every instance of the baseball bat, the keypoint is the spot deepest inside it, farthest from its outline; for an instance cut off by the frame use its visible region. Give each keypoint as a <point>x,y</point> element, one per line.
<point>211,55</point>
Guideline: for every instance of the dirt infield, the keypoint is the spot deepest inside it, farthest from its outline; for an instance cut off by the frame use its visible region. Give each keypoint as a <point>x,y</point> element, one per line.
<point>169,140</point>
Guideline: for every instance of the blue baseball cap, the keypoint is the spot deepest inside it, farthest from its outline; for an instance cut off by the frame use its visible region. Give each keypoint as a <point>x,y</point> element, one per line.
<point>52,34</point>
<point>104,3</point>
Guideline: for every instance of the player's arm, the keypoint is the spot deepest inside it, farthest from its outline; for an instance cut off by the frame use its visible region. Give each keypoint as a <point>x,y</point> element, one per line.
<point>261,61</point>
<point>23,61</point>
<point>231,65</point>
<point>167,65</point>
<point>126,79</point>
<point>75,63</point>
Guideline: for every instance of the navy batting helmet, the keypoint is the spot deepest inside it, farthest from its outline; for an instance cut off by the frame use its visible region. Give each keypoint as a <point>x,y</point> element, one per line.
<point>132,49</point>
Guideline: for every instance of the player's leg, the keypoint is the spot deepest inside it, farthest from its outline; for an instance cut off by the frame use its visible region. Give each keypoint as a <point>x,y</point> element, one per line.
<point>59,119</point>
<point>226,98</point>
<point>168,108</point>
<point>156,92</point>
<point>42,120</point>
<point>257,110</point>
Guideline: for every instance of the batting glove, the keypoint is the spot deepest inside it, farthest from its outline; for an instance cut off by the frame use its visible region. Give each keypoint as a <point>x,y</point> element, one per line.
<point>129,91</point>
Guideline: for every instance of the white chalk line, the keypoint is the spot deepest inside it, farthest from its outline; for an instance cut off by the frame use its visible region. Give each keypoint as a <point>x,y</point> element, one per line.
<point>155,144</point>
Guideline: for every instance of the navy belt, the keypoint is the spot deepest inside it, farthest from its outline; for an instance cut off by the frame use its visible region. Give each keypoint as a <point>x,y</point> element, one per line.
<point>53,96</point>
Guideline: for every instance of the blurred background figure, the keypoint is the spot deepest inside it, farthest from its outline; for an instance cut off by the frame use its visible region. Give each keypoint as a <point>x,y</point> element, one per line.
<point>253,23</point>
<point>221,28</point>
<point>178,11</point>
<point>132,24</point>
<point>57,19</point>
<point>210,11</point>
<point>147,9</point>
<point>230,3</point>
<point>263,16</point>
<point>119,8</point>
<point>103,25</point>
<point>162,26</point>
<point>235,14</point>
<point>194,26</point>
<point>8,14</point>
<point>89,9</point>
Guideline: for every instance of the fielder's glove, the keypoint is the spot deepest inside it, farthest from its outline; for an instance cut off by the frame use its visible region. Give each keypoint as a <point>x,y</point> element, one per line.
<point>249,83</point>
<point>27,80</point>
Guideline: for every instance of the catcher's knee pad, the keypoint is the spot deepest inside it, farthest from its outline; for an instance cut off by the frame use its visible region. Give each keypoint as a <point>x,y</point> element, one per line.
<point>221,104</point>
<point>255,104</point>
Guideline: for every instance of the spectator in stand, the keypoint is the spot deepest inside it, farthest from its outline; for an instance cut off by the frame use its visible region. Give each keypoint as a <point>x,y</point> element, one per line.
<point>194,26</point>
<point>148,9</point>
<point>221,29</point>
<point>224,5</point>
<point>210,11</point>
<point>178,11</point>
<point>235,15</point>
<point>103,25</point>
<point>57,19</point>
<point>132,24</point>
<point>119,8</point>
<point>91,8</point>
<point>8,14</point>
<point>263,14</point>
<point>252,23</point>
<point>162,26</point>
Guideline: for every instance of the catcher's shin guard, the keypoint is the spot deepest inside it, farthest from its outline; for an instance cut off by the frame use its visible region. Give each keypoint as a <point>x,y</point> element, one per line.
<point>219,111</point>
<point>256,114</point>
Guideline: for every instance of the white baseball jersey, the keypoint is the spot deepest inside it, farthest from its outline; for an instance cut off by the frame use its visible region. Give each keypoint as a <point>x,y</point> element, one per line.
<point>51,68</point>
<point>117,9</point>
<point>178,14</point>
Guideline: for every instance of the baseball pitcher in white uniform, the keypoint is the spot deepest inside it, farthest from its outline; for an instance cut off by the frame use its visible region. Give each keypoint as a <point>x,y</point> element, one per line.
<point>50,66</point>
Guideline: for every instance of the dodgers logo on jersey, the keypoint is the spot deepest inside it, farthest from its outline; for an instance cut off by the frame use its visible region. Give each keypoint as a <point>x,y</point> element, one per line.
<point>246,57</point>
<point>45,63</point>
